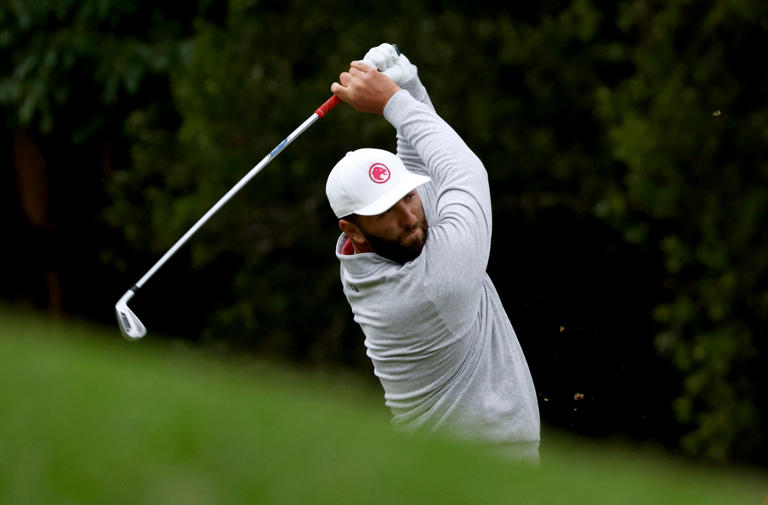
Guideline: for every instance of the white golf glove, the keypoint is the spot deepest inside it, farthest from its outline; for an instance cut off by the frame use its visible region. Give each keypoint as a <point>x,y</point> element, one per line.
<point>385,59</point>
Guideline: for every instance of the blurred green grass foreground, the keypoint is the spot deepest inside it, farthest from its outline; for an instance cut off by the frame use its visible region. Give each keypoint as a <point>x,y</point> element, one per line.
<point>86,417</point>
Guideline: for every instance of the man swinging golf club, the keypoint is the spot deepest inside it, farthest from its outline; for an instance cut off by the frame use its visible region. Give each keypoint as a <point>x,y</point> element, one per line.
<point>414,249</point>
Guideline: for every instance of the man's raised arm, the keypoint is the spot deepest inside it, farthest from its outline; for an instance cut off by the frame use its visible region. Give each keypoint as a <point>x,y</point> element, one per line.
<point>395,65</point>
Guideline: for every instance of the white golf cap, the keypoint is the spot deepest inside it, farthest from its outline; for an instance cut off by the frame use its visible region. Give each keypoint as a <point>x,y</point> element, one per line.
<point>368,182</point>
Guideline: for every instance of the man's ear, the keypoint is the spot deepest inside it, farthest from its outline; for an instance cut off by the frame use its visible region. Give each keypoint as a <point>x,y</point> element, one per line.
<point>359,242</point>
<point>352,231</point>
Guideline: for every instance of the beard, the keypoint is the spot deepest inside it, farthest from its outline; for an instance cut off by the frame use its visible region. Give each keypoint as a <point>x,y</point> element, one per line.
<point>397,250</point>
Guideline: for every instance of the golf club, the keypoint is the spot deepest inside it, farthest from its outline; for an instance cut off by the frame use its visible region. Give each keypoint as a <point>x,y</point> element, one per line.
<point>130,325</point>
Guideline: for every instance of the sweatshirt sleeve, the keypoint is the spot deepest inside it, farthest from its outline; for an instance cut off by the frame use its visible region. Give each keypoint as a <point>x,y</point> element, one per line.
<point>455,255</point>
<point>405,151</point>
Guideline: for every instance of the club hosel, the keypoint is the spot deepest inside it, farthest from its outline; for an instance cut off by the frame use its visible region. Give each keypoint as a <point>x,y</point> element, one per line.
<point>128,295</point>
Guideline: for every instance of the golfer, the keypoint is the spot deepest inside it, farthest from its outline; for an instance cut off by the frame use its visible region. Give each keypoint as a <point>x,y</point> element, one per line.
<point>414,249</point>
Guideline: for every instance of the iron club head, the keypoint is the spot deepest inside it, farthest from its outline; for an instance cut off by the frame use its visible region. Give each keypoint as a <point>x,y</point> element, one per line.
<point>130,326</point>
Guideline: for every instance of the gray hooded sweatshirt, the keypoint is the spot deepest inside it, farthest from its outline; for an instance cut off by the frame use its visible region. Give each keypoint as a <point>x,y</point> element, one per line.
<point>438,336</point>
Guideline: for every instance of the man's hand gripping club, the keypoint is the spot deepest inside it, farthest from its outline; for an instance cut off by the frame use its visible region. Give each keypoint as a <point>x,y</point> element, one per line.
<point>364,88</point>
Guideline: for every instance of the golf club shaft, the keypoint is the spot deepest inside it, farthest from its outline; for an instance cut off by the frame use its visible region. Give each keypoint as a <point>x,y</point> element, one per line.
<point>320,112</point>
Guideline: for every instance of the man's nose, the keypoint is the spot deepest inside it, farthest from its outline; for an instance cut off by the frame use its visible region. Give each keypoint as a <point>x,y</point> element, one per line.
<point>407,215</point>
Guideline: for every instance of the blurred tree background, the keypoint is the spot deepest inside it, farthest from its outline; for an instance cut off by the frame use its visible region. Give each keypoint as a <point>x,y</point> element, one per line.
<point>627,147</point>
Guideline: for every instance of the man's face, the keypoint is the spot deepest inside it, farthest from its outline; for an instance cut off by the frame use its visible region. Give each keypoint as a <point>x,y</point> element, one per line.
<point>399,233</point>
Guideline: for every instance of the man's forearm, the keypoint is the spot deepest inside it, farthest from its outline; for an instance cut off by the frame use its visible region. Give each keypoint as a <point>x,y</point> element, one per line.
<point>405,150</point>
<point>418,91</point>
<point>435,142</point>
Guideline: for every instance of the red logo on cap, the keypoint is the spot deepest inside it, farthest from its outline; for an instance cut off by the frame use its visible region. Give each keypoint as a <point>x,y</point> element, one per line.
<point>379,173</point>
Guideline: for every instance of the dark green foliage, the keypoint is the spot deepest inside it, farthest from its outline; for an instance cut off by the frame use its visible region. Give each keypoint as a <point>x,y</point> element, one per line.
<point>688,130</point>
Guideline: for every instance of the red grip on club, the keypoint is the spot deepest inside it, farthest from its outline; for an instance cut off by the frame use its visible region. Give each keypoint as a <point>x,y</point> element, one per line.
<point>327,106</point>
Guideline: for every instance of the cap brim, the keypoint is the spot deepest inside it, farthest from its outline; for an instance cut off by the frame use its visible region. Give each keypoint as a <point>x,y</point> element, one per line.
<point>393,196</point>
